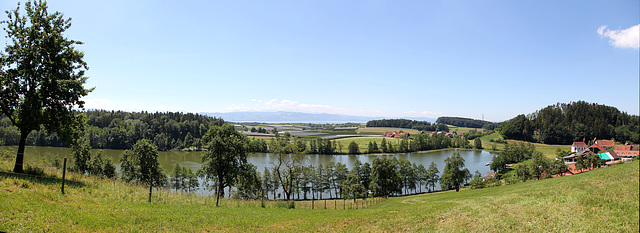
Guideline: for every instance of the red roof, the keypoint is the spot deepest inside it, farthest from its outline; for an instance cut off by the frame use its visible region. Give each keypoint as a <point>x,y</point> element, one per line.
<point>579,144</point>
<point>605,143</point>
<point>597,146</point>
<point>622,147</point>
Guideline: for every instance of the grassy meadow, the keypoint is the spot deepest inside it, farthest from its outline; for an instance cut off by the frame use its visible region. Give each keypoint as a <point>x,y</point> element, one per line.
<point>601,200</point>
<point>363,142</point>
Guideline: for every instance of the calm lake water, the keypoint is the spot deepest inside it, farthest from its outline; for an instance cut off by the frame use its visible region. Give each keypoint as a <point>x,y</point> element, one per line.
<point>474,160</point>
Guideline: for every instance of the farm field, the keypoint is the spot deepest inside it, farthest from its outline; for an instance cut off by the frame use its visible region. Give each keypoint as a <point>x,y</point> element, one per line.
<point>548,150</point>
<point>363,142</point>
<point>381,131</point>
<point>601,200</point>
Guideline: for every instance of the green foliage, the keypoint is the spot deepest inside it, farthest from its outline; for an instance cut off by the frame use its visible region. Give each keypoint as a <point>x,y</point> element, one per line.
<point>81,152</point>
<point>512,153</point>
<point>94,164</point>
<point>120,130</point>
<point>102,166</point>
<point>352,187</point>
<point>140,164</point>
<point>466,122</point>
<point>249,183</point>
<point>566,123</point>
<point>540,166</point>
<point>385,177</point>
<point>41,75</point>
<point>522,172</point>
<point>354,149</point>
<point>33,170</point>
<point>477,181</point>
<point>454,175</point>
<point>432,176</point>
<point>408,124</point>
<point>477,143</point>
<point>225,157</point>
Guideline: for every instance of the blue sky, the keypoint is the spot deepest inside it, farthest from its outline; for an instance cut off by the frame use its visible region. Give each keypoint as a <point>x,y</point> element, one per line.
<point>371,58</point>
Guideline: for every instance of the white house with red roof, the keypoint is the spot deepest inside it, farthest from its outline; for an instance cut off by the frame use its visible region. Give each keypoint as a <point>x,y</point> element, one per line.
<point>578,147</point>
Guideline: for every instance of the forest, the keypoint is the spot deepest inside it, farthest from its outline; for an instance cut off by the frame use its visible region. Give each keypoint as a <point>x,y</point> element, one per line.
<point>467,122</point>
<point>408,124</point>
<point>564,123</point>
<point>120,130</point>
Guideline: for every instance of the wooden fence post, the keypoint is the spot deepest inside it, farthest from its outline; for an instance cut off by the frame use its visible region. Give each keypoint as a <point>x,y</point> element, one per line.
<point>64,173</point>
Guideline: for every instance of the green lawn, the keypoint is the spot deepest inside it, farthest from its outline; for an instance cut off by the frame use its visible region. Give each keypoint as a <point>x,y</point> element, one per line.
<point>363,142</point>
<point>603,200</point>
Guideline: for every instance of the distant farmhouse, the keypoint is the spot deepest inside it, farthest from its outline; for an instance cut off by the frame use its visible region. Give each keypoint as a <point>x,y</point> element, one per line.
<point>578,147</point>
<point>605,149</point>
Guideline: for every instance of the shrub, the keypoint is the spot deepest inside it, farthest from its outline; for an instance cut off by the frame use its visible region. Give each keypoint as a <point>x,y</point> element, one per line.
<point>36,171</point>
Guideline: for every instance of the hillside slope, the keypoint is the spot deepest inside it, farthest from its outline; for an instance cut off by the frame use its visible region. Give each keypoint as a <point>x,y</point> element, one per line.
<point>601,200</point>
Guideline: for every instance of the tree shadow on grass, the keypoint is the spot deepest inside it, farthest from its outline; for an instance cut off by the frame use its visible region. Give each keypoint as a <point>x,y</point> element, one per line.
<point>44,180</point>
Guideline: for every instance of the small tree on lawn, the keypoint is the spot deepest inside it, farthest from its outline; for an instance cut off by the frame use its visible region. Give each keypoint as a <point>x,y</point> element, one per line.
<point>140,164</point>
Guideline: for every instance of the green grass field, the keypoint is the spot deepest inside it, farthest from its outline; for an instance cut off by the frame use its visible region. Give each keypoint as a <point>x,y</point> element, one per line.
<point>603,200</point>
<point>363,142</point>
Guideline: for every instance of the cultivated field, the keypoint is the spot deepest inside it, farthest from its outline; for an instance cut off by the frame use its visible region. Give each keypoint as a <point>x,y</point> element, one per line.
<point>376,130</point>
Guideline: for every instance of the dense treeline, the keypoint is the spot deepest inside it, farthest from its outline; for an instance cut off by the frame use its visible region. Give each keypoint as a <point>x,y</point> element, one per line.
<point>408,124</point>
<point>420,142</point>
<point>566,123</point>
<point>120,130</point>
<point>467,122</point>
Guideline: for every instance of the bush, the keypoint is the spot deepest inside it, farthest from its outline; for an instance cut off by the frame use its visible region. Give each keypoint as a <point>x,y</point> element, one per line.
<point>36,171</point>
<point>288,204</point>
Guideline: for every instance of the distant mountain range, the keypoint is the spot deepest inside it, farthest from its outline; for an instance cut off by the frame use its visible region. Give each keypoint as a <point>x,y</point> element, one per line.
<point>300,117</point>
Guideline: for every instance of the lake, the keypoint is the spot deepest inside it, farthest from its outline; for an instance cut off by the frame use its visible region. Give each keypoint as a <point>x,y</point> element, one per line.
<point>474,160</point>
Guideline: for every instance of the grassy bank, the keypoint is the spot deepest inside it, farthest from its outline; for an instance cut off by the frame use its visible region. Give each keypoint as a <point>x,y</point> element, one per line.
<point>601,200</point>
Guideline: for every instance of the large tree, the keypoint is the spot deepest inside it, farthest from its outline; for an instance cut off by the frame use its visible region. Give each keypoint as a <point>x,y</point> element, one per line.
<point>225,157</point>
<point>454,175</point>
<point>41,75</point>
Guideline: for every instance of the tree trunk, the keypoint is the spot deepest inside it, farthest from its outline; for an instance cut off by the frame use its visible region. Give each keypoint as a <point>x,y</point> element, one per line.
<point>150,190</point>
<point>18,168</point>
<point>219,193</point>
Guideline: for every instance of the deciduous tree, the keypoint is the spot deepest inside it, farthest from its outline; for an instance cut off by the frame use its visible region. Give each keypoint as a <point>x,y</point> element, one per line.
<point>454,175</point>
<point>41,75</point>
<point>225,156</point>
<point>140,164</point>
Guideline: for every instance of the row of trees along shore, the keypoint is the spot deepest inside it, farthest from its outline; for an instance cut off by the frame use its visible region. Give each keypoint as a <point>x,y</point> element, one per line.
<point>576,121</point>
<point>289,177</point>
<point>408,124</point>
<point>420,142</point>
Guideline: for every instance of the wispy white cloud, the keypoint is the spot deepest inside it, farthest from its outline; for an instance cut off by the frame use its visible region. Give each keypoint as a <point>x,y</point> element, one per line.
<point>622,38</point>
<point>295,106</point>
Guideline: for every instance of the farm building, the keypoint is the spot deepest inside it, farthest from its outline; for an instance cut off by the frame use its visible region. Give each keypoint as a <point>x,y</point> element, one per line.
<point>578,147</point>
<point>625,152</point>
<point>605,144</point>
